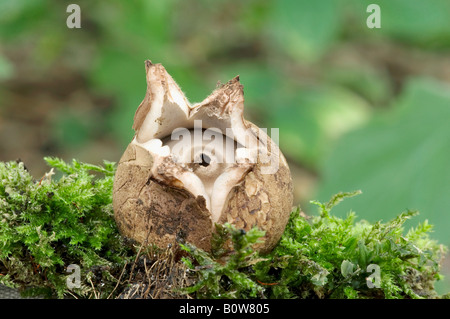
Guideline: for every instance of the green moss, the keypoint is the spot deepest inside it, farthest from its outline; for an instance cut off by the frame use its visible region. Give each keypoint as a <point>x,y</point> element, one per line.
<point>48,224</point>
<point>325,257</point>
<point>224,274</point>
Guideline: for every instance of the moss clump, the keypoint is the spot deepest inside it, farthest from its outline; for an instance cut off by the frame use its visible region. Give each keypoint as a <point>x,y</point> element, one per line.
<point>48,224</point>
<point>225,273</point>
<point>323,257</point>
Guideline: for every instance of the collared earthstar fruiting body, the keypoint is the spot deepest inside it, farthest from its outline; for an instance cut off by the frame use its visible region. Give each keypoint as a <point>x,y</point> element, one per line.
<point>191,166</point>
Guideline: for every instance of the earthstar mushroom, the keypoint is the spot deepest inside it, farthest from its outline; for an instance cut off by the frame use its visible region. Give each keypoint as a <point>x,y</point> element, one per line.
<point>191,166</point>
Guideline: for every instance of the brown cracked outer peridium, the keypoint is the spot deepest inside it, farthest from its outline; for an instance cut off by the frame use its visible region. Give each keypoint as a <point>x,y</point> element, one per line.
<point>153,213</point>
<point>263,201</point>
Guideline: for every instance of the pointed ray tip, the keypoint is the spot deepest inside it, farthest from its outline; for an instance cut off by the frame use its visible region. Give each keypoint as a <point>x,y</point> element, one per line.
<point>232,81</point>
<point>148,64</point>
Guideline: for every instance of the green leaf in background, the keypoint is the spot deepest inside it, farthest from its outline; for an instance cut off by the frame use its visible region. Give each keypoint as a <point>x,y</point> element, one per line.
<point>400,160</point>
<point>419,22</point>
<point>312,119</point>
<point>305,29</point>
<point>20,16</point>
<point>371,83</point>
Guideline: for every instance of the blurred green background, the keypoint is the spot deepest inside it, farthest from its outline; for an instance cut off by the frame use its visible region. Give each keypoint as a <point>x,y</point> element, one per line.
<point>357,108</point>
